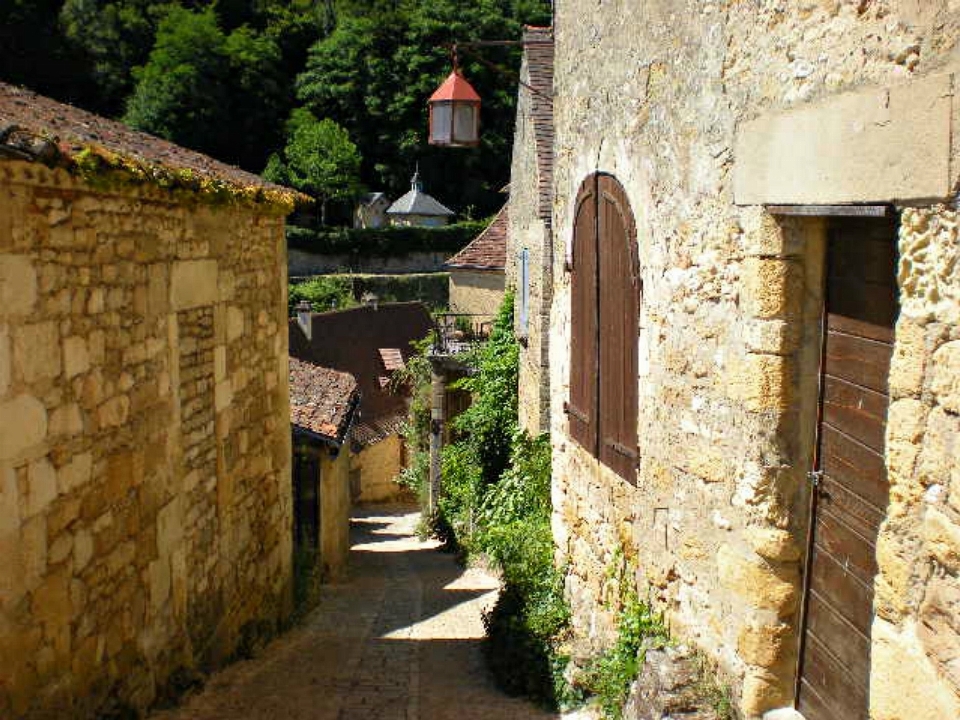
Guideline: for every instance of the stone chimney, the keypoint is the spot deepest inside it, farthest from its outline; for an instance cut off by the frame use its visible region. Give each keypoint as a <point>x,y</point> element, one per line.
<point>304,314</point>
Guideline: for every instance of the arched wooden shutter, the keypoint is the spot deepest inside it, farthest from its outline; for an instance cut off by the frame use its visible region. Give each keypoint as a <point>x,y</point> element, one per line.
<point>619,310</point>
<point>584,371</point>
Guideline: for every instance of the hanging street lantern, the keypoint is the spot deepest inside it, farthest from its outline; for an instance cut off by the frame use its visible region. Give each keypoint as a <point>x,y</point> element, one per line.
<point>455,113</point>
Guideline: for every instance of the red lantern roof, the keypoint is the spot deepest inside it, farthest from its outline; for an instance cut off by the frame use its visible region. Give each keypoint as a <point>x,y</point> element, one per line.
<point>455,87</point>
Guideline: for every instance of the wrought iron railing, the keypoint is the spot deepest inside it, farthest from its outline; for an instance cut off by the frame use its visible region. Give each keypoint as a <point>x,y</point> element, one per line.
<point>457,333</point>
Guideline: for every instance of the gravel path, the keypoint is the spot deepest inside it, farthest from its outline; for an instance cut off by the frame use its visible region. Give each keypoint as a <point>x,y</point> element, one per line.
<point>399,639</point>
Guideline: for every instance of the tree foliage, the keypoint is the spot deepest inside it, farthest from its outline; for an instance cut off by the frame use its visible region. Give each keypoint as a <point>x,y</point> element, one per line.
<point>374,73</point>
<point>209,90</point>
<point>319,159</point>
<point>221,76</point>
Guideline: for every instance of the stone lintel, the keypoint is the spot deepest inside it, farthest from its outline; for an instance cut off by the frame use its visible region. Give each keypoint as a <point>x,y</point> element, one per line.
<point>874,146</point>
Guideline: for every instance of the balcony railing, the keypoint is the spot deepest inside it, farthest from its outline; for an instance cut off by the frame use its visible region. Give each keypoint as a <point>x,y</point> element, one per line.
<point>457,333</point>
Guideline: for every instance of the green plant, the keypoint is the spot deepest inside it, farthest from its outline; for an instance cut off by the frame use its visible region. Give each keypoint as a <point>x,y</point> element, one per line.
<point>323,293</point>
<point>383,242</point>
<point>495,502</point>
<point>639,628</point>
<point>319,159</point>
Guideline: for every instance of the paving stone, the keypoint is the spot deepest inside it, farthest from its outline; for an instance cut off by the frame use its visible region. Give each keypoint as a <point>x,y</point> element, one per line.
<point>398,639</point>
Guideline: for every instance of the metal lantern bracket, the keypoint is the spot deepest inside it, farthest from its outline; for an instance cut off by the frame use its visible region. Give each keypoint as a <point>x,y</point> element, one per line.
<point>468,49</point>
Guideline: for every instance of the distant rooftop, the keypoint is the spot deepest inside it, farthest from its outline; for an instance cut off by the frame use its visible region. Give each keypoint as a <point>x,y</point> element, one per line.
<point>417,202</point>
<point>322,401</point>
<point>354,341</point>
<point>368,199</point>
<point>488,251</point>
<point>34,127</point>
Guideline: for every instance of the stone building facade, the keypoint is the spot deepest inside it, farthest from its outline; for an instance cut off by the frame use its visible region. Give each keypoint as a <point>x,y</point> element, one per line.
<point>748,140</point>
<point>144,439</point>
<point>477,272</point>
<point>529,255</point>
<point>323,407</point>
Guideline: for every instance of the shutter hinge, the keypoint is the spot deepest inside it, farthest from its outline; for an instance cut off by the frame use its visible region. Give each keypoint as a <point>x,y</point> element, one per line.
<point>571,410</point>
<point>568,265</point>
<point>621,449</point>
<point>815,477</point>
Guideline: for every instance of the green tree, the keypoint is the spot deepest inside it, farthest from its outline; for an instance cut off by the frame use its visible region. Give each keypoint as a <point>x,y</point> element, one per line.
<point>319,159</point>
<point>117,36</point>
<point>215,92</point>
<point>374,73</point>
<point>180,93</point>
<point>35,54</point>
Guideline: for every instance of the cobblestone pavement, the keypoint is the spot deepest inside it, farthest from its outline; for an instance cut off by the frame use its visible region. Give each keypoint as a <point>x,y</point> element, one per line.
<point>399,639</point>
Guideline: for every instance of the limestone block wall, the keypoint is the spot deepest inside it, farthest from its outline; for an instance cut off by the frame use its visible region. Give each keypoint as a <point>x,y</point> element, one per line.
<point>729,335</point>
<point>476,292</point>
<point>528,231</point>
<point>916,635</point>
<point>303,263</point>
<point>145,507</point>
<point>379,465</point>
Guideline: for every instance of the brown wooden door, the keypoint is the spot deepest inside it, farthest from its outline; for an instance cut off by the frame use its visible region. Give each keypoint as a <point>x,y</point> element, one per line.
<point>851,492</point>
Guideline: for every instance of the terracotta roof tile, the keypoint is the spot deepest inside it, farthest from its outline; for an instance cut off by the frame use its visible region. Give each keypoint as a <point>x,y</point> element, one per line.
<point>368,432</point>
<point>322,400</point>
<point>539,67</point>
<point>26,118</point>
<point>391,359</point>
<point>350,340</point>
<point>488,251</point>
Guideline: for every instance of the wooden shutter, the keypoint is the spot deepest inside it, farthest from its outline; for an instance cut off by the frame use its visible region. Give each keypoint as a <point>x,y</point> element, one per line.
<point>584,375</point>
<point>619,310</point>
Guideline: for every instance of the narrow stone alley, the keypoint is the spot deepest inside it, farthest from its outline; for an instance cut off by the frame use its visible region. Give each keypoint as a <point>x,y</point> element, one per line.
<point>398,639</point>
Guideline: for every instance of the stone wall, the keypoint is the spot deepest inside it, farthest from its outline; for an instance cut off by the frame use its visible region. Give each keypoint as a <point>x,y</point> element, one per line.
<point>528,231</point>
<point>475,292</point>
<point>303,263</point>
<point>144,443</point>
<point>916,635</point>
<point>379,465</point>
<point>729,329</point>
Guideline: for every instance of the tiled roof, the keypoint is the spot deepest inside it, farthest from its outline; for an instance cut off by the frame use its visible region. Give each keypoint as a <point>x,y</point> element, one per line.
<point>350,340</point>
<point>391,359</point>
<point>35,127</point>
<point>372,431</point>
<point>370,198</point>
<point>322,400</point>
<point>488,251</point>
<point>417,202</point>
<point>539,66</point>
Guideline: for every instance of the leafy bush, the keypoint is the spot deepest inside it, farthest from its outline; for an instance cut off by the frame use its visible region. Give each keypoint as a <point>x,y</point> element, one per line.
<point>383,242</point>
<point>496,503</point>
<point>416,375</point>
<point>345,290</point>
<point>325,292</point>
<point>527,626</point>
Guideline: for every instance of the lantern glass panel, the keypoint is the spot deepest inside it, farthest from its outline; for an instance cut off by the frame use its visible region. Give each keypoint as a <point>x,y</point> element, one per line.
<point>441,123</point>
<point>465,122</point>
